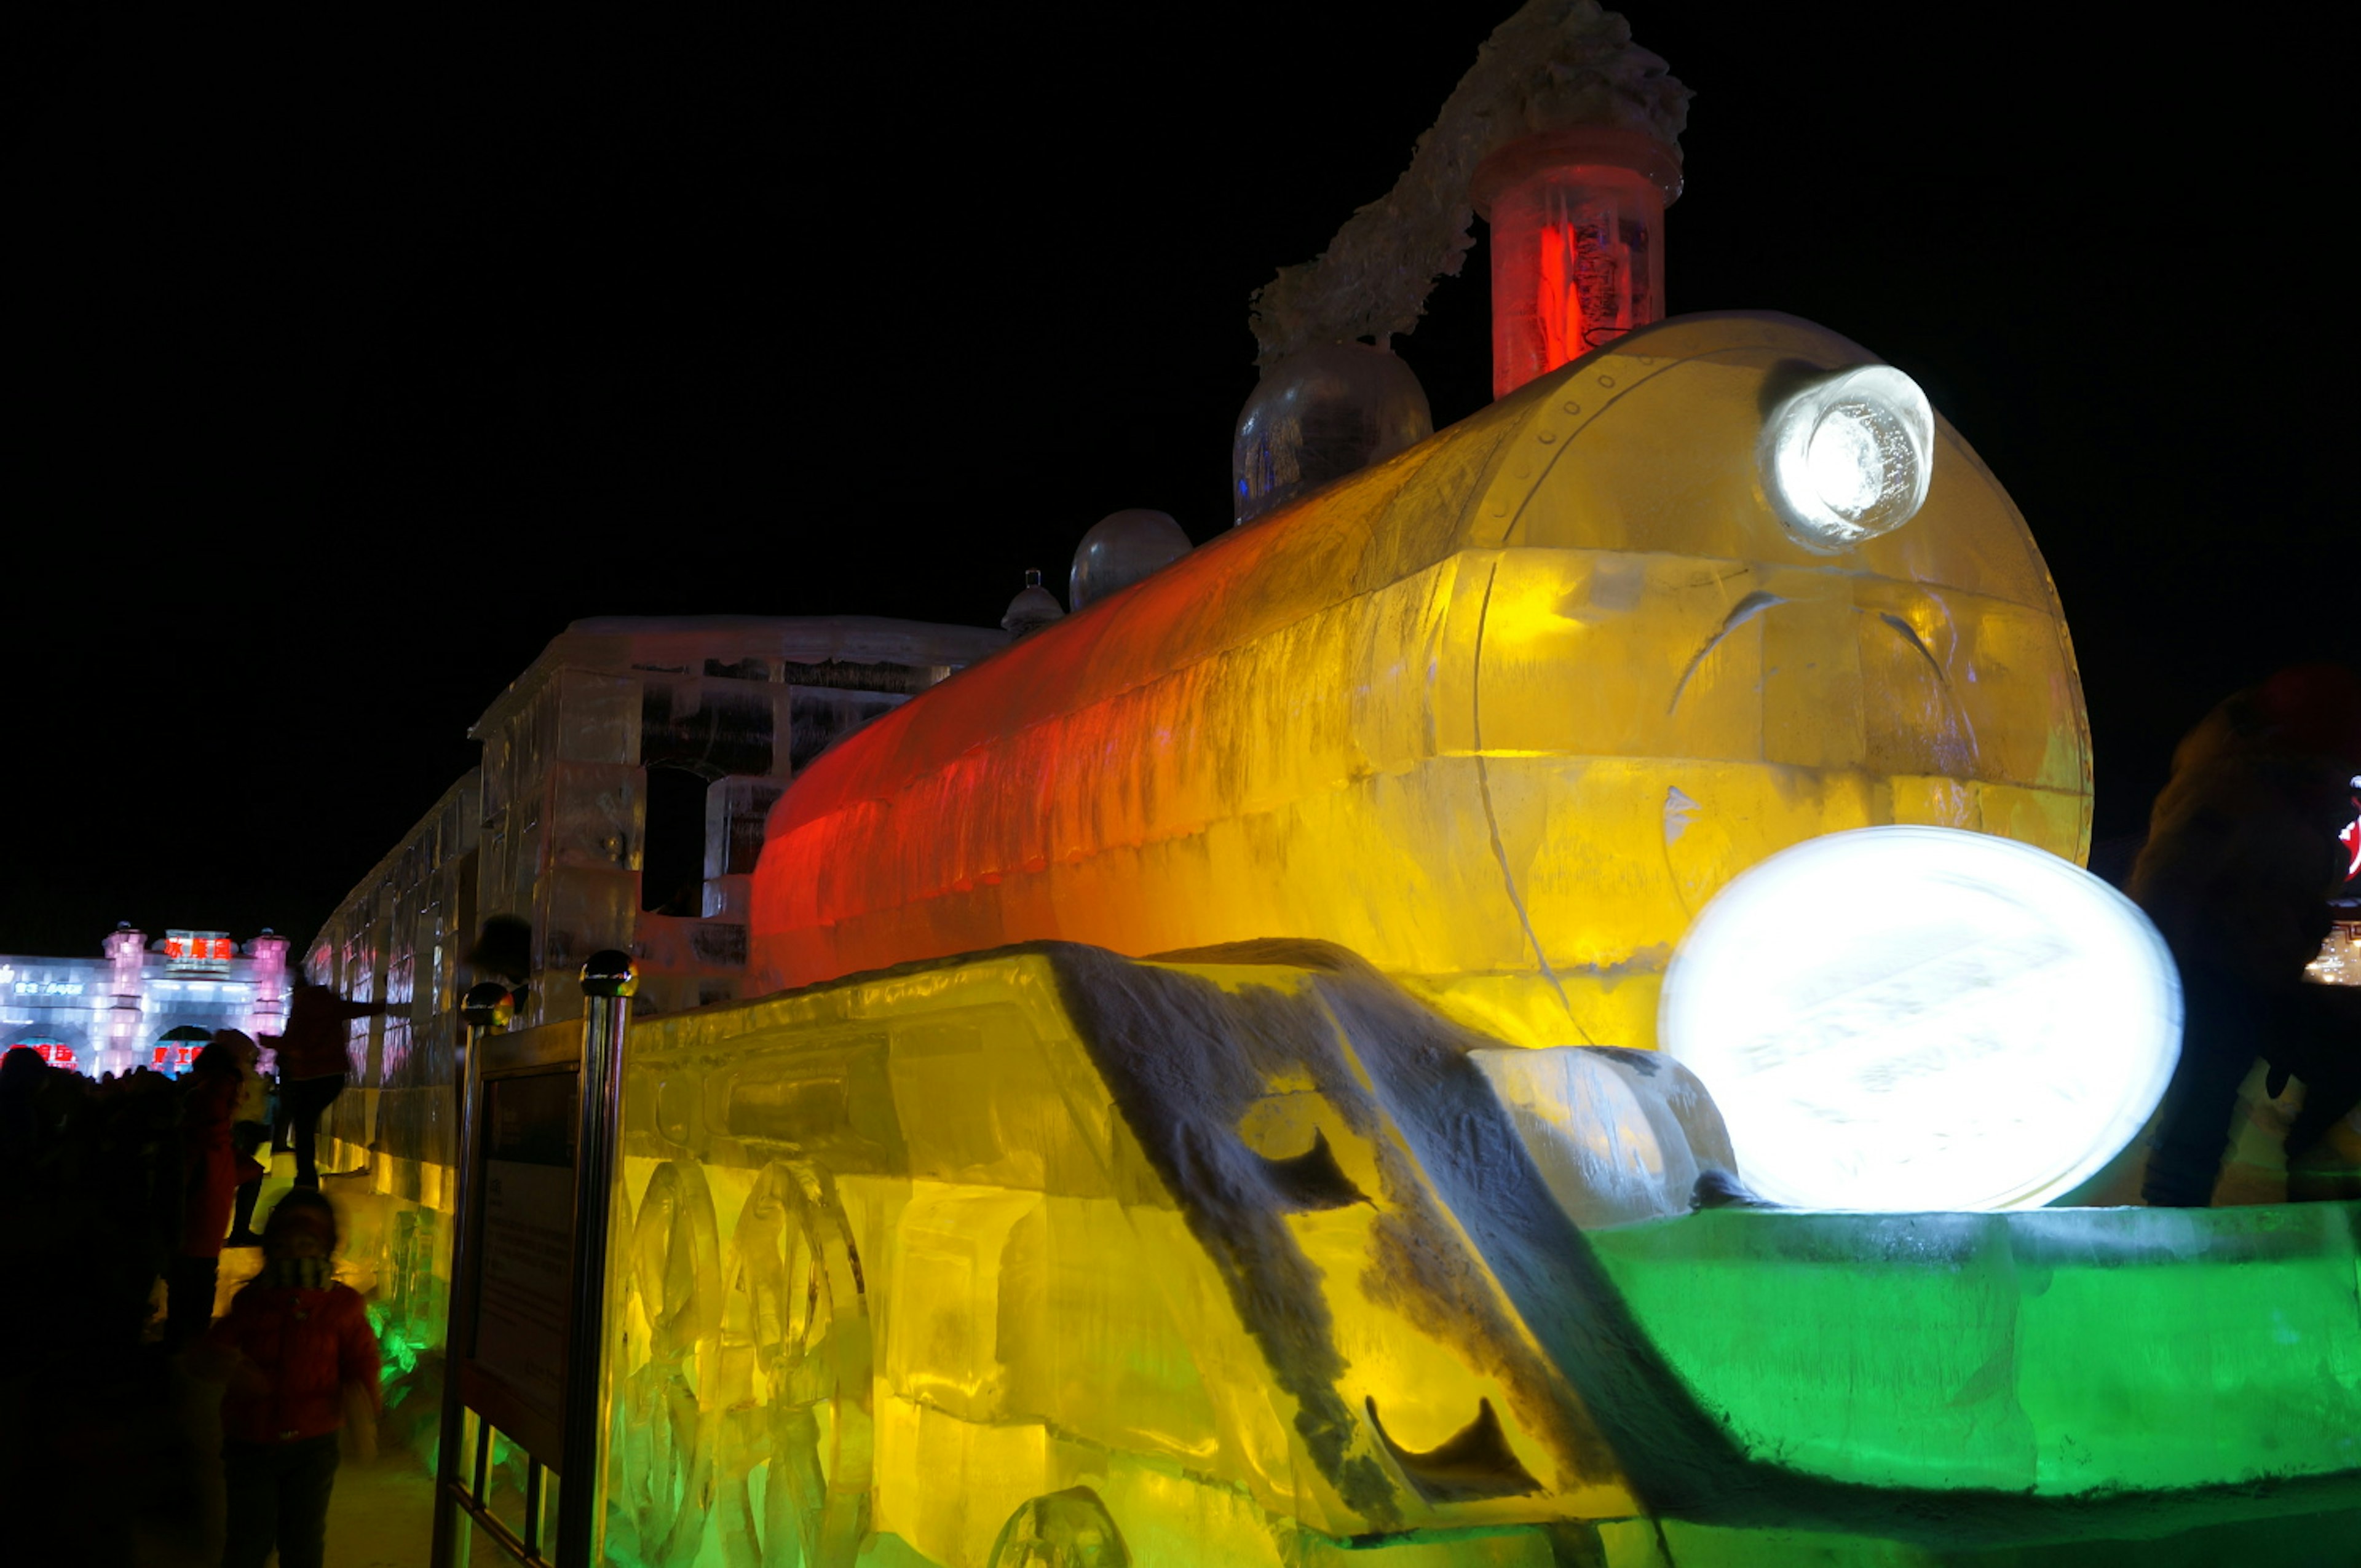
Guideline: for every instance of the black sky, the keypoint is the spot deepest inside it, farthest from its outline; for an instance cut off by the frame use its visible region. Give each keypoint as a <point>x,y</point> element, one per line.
<point>345,360</point>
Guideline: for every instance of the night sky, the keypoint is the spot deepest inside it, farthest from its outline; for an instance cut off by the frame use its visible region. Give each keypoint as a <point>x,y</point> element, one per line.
<point>347,360</point>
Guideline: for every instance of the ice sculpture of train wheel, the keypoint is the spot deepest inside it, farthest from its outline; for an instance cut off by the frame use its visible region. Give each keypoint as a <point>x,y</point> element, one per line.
<point>796,1276</point>
<point>676,1283</point>
<point>1063,1530</point>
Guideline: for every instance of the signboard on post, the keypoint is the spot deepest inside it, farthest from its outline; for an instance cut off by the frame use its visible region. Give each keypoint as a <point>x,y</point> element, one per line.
<point>527,1215</point>
<point>511,1275</point>
<point>536,1178</point>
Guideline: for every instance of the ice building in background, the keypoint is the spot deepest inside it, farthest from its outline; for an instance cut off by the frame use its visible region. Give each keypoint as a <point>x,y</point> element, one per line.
<point>145,1003</point>
<point>620,805</point>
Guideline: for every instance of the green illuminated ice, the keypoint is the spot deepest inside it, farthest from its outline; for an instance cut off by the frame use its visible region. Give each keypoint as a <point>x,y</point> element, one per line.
<point>2058,1352</point>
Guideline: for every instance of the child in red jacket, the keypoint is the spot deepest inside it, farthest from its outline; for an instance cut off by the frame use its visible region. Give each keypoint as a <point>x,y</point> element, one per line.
<point>299,1357</point>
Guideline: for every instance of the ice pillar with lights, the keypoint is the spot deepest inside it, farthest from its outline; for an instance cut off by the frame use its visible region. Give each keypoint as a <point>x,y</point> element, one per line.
<point>269,1013</point>
<point>1578,219</point>
<point>125,950</point>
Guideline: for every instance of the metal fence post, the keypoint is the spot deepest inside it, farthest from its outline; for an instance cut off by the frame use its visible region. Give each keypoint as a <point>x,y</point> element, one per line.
<point>608,982</point>
<point>484,1011</point>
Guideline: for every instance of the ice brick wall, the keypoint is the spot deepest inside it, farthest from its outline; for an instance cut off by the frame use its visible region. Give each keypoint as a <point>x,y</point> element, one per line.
<point>554,827</point>
<point>399,936</point>
<point>584,840</point>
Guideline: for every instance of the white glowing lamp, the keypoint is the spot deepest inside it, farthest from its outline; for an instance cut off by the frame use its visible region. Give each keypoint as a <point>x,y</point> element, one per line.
<point>1921,1018</point>
<point>1849,457</point>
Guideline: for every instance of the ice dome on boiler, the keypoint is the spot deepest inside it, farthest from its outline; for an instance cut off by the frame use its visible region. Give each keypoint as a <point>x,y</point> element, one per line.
<point>1120,549</point>
<point>1033,608</point>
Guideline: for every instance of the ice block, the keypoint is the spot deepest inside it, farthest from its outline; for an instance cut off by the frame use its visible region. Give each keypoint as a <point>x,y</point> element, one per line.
<point>1248,1259</point>
<point>1500,713</point>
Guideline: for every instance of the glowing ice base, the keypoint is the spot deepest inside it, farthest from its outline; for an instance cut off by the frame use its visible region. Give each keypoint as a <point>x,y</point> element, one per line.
<point>1047,1257</point>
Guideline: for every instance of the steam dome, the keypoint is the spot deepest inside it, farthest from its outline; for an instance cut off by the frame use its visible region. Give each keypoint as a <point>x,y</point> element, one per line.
<point>1033,608</point>
<point>1319,414</point>
<point>1122,548</point>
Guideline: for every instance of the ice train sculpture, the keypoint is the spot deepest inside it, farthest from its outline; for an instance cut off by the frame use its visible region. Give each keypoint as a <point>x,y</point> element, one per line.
<point>1201,1113</point>
<point>1498,715</point>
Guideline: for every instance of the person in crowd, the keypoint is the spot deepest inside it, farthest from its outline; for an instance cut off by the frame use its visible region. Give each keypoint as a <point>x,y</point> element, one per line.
<point>311,1064</point>
<point>135,1164</point>
<point>22,1072</point>
<point>300,1363</point>
<point>2241,859</point>
<point>249,1129</point>
<point>89,1216</point>
<point>210,1176</point>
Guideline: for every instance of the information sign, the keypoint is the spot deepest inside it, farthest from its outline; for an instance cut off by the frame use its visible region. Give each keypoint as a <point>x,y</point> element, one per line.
<point>528,1231</point>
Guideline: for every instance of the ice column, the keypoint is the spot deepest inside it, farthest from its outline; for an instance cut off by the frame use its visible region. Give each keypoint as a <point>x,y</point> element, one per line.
<point>1577,220</point>
<point>127,949</point>
<point>267,1013</point>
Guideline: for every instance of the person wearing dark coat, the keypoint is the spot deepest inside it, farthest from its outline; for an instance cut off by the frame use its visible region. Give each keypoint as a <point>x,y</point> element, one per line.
<point>211,1172</point>
<point>2242,856</point>
<point>312,1064</point>
<point>250,1130</point>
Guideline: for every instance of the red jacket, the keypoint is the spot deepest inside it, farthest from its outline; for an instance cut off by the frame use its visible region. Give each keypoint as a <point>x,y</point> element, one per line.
<point>314,1044</point>
<point>308,1345</point>
<point>209,1162</point>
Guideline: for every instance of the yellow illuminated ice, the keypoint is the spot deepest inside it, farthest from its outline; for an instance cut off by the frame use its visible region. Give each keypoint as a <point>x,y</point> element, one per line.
<point>902,1244</point>
<point>1500,713</point>
<point>1254,1262</point>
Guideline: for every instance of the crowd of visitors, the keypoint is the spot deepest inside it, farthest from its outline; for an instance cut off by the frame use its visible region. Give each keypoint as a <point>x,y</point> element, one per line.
<point>117,1189</point>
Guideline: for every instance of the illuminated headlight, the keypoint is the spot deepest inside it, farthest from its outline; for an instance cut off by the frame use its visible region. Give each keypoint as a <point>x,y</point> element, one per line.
<point>1914,1018</point>
<point>1848,457</point>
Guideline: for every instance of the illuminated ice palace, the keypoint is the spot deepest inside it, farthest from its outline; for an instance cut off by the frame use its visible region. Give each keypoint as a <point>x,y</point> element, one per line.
<point>149,1002</point>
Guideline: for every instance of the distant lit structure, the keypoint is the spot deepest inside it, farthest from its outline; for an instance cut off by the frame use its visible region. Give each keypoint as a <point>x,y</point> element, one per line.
<point>145,1003</point>
<point>2339,963</point>
<point>2351,839</point>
